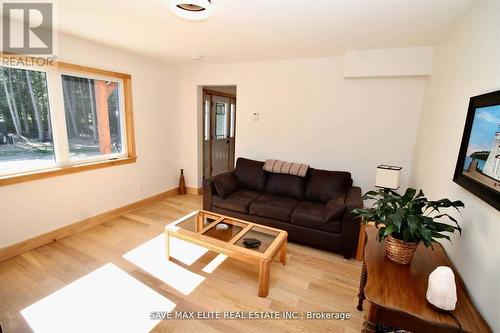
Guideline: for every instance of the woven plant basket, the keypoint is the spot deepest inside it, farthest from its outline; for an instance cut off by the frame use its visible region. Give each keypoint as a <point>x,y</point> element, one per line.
<point>398,251</point>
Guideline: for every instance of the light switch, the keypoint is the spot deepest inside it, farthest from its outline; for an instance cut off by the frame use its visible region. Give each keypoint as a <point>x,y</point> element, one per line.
<point>255,116</point>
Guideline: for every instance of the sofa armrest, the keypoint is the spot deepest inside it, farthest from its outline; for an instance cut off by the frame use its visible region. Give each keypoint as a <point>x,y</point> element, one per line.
<point>209,189</point>
<point>350,223</point>
<point>353,199</point>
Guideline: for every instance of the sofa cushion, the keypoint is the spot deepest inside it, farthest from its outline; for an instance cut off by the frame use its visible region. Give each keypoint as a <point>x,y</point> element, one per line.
<point>309,210</point>
<point>274,207</point>
<point>237,201</point>
<point>285,185</point>
<point>250,175</point>
<point>225,185</point>
<point>311,214</point>
<point>324,185</point>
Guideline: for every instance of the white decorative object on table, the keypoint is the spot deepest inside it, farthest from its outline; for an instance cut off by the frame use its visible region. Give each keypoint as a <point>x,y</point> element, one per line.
<point>441,290</point>
<point>221,226</point>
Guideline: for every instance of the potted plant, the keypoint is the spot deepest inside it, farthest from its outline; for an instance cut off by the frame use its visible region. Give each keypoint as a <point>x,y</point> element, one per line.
<point>404,221</point>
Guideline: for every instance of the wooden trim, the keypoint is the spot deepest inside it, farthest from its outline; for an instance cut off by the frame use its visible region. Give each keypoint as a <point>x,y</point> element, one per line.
<point>213,92</point>
<point>275,246</point>
<point>59,171</point>
<point>210,226</point>
<point>194,190</point>
<point>64,66</point>
<point>68,230</point>
<point>129,117</point>
<point>240,234</point>
<point>129,124</point>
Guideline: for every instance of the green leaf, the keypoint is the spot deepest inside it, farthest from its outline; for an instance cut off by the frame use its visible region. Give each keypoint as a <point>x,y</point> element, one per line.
<point>451,218</point>
<point>438,235</point>
<point>389,230</point>
<point>420,195</point>
<point>394,193</point>
<point>448,216</point>
<point>381,232</point>
<point>443,227</point>
<point>370,195</point>
<point>426,235</point>
<point>413,222</point>
<point>364,213</point>
<point>396,220</point>
<point>409,194</point>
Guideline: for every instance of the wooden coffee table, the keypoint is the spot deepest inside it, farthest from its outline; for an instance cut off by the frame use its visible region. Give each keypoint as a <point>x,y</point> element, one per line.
<point>200,228</point>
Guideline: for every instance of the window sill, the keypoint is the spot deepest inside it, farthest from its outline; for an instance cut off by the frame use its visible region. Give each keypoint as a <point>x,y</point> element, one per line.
<point>59,171</point>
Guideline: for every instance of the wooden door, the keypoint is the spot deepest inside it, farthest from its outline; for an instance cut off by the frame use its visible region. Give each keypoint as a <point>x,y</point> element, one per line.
<point>219,114</point>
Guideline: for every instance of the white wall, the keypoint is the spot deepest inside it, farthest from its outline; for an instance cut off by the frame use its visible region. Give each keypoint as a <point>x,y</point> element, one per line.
<point>408,61</point>
<point>32,208</point>
<point>467,63</point>
<point>309,113</point>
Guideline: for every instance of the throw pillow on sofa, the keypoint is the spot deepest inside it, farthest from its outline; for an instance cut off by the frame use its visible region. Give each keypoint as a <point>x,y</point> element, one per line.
<point>250,175</point>
<point>322,185</point>
<point>225,185</point>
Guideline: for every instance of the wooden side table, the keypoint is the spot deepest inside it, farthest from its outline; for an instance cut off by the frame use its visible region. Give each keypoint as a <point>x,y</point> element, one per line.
<point>396,293</point>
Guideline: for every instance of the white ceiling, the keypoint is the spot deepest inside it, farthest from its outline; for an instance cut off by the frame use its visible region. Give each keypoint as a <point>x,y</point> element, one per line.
<point>254,30</point>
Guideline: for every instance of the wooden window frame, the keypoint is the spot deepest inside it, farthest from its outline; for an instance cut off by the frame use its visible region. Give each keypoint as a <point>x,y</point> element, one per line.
<point>67,68</point>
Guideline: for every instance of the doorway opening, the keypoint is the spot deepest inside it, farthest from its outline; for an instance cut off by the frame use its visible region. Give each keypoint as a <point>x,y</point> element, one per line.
<point>219,129</point>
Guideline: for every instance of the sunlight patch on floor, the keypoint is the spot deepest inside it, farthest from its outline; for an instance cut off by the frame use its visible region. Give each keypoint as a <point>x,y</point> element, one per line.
<point>183,251</point>
<point>151,258</point>
<point>106,300</point>
<point>212,265</point>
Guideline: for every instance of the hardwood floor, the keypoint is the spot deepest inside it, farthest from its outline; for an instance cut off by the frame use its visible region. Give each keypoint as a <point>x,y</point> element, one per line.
<point>312,280</point>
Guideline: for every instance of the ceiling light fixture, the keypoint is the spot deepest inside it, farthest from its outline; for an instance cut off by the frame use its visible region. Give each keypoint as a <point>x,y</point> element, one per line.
<point>192,9</point>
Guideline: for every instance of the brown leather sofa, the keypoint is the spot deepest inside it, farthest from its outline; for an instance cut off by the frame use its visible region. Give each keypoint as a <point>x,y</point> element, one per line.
<point>314,210</point>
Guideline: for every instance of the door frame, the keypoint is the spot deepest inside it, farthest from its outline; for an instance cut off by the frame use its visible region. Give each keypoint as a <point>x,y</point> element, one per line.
<point>208,153</point>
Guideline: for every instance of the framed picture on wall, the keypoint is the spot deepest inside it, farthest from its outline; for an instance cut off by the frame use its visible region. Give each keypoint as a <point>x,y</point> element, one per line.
<point>478,165</point>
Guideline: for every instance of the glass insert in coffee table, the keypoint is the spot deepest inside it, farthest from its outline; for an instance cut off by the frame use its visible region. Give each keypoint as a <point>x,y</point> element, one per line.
<point>265,236</point>
<point>225,230</point>
<point>195,221</point>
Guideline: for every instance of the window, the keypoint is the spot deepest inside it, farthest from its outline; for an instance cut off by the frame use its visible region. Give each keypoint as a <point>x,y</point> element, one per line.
<point>26,140</point>
<point>220,120</point>
<point>62,118</point>
<point>93,117</point>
